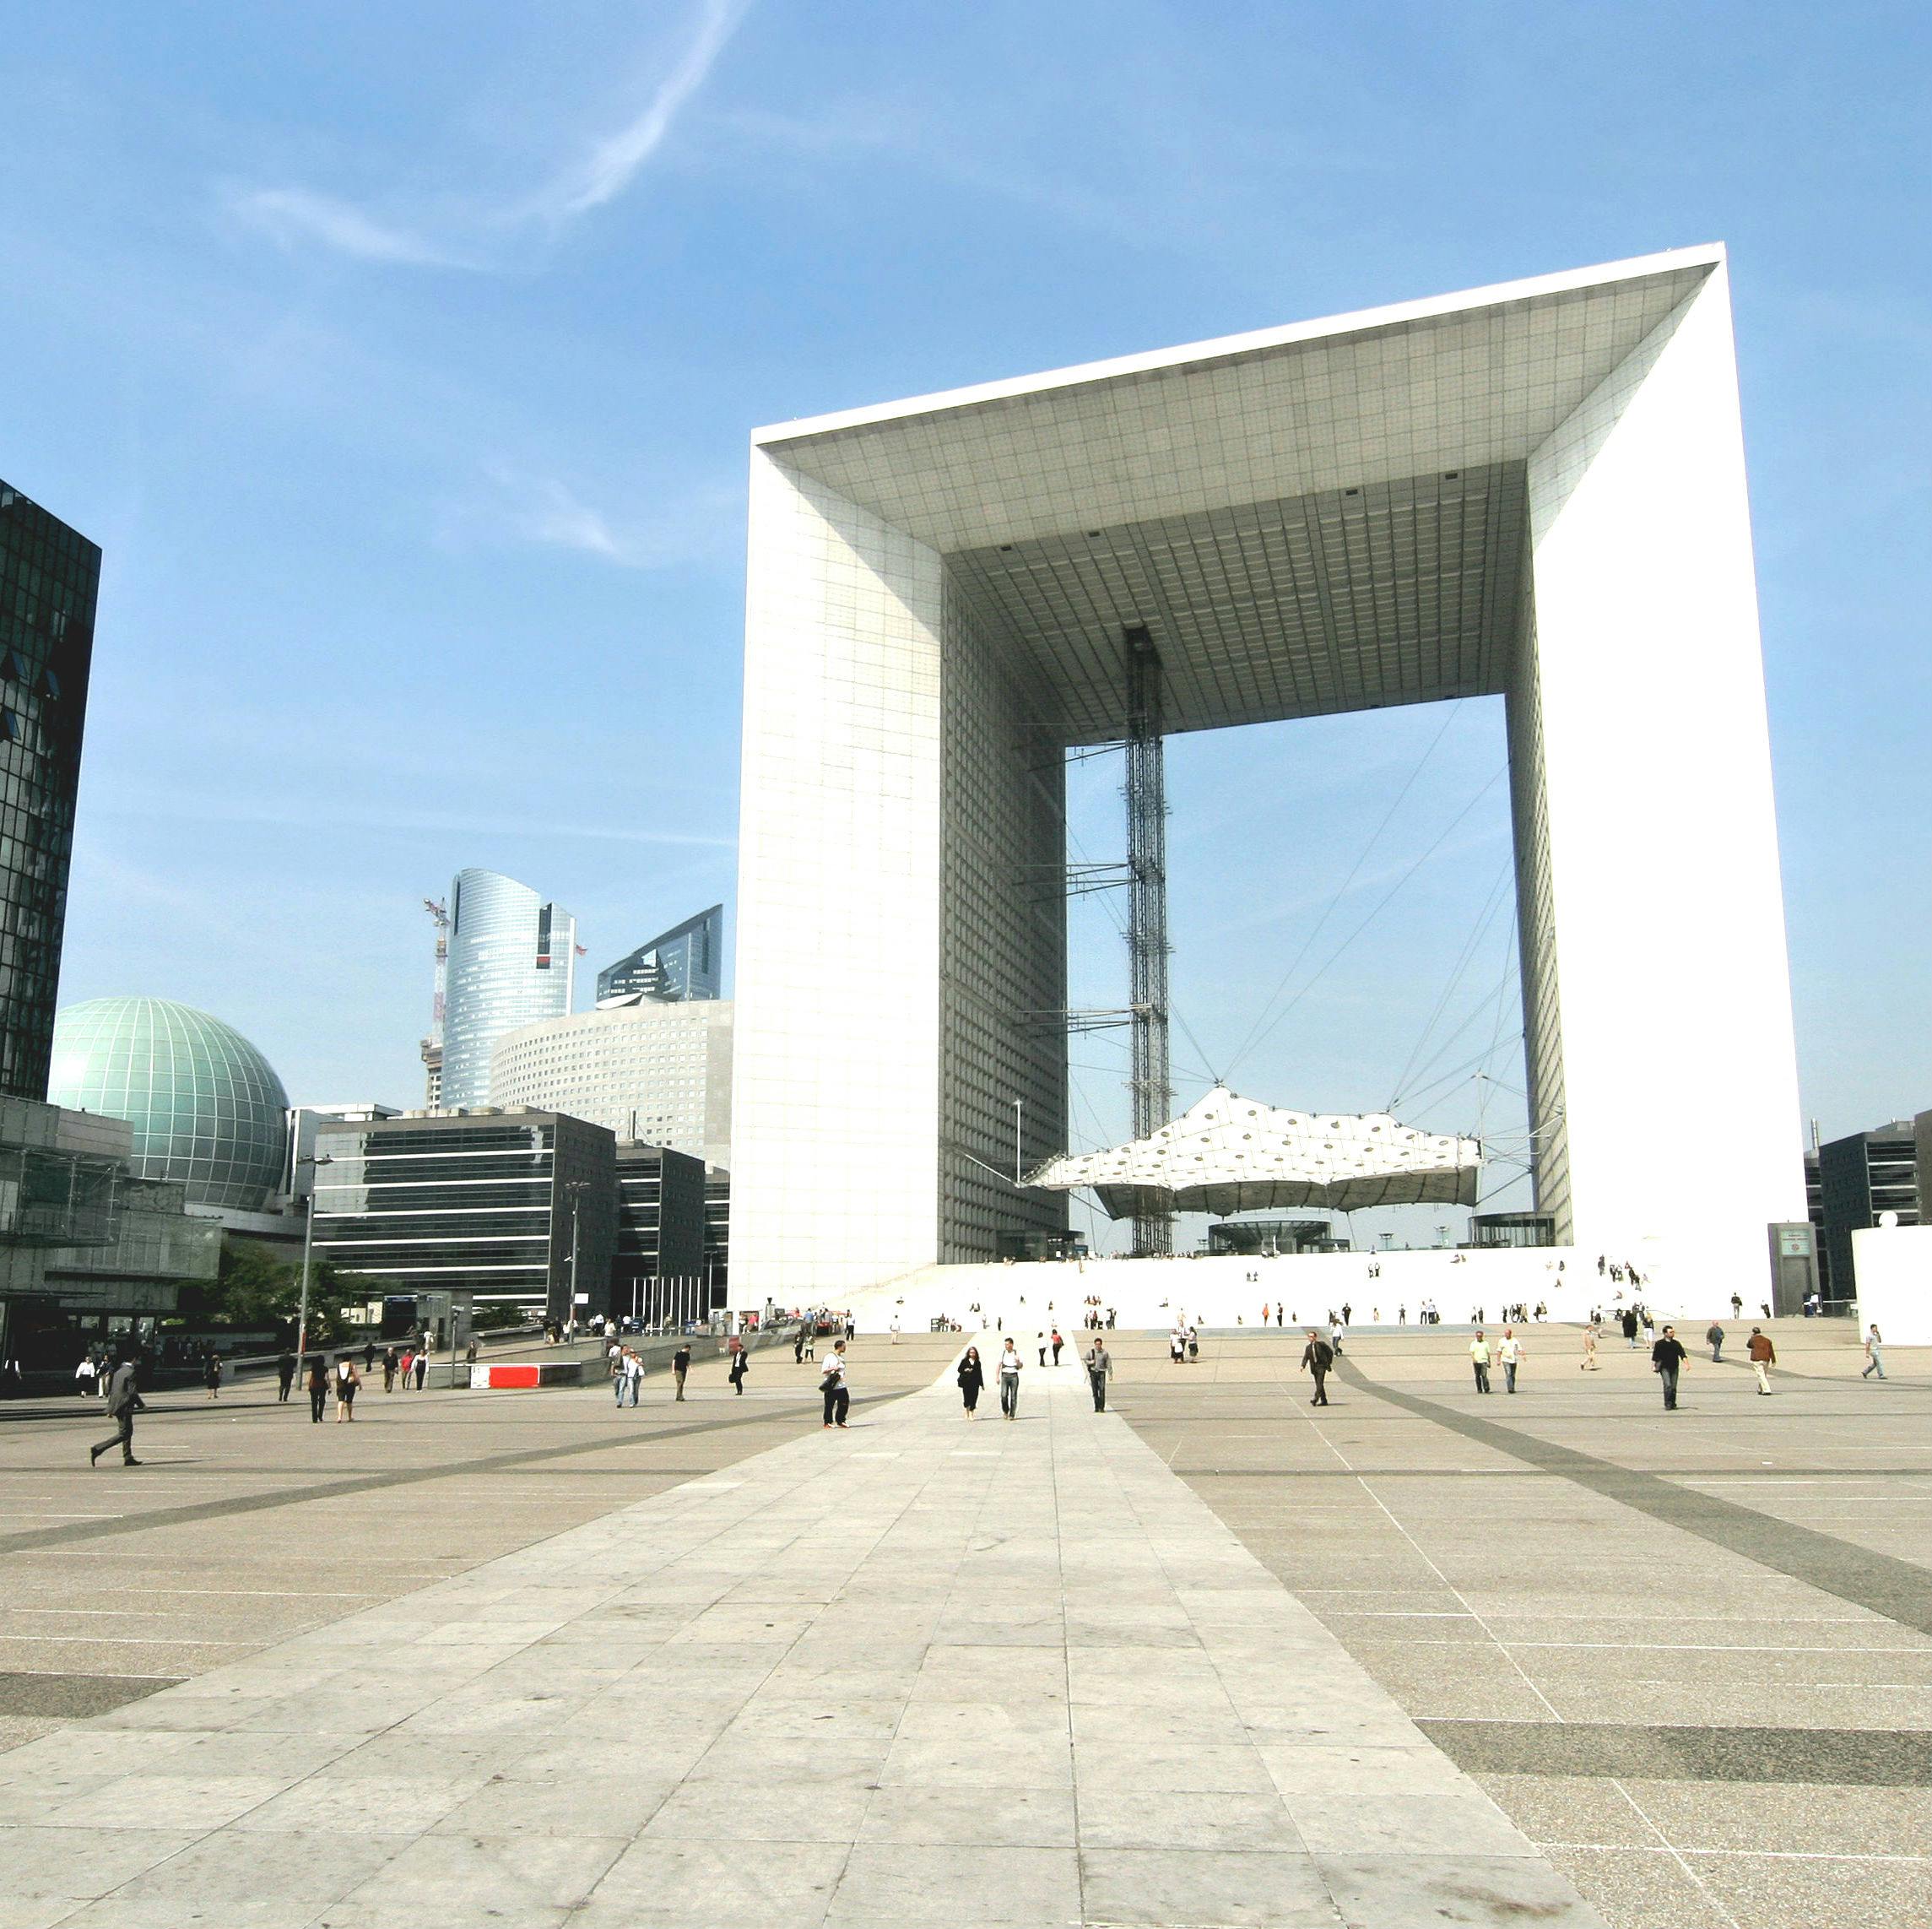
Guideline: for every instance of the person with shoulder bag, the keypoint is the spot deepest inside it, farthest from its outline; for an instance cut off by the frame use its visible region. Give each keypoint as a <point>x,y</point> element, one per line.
<point>124,1402</point>
<point>831,1384</point>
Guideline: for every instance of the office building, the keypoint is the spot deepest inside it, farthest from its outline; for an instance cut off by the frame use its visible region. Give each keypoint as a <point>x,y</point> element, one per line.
<point>50,576</point>
<point>512,961</point>
<point>1860,1178</point>
<point>1534,493</point>
<point>718,1232</point>
<point>660,1234</point>
<point>89,1252</point>
<point>511,1206</point>
<point>651,1071</point>
<point>687,962</point>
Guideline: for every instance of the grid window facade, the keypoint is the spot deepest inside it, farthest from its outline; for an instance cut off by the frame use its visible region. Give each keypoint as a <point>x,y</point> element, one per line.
<point>206,1108</point>
<point>50,579</point>
<point>512,961</point>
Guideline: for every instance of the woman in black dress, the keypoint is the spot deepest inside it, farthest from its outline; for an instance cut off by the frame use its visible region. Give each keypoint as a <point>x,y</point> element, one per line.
<point>972,1380</point>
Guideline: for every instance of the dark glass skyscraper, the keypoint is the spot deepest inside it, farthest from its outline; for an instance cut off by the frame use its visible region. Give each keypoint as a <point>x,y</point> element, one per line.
<point>686,962</point>
<point>50,577</point>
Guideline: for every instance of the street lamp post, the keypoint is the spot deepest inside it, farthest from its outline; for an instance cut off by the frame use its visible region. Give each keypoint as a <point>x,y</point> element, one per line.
<point>1018,1106</point>
<point>576,1187</point>
<point>308,1252</point>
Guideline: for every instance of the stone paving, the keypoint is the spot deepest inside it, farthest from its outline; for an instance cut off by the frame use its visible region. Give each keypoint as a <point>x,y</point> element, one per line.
<point>1689,1653</point>
<point>245,1525</point>
<point>923,1670</point>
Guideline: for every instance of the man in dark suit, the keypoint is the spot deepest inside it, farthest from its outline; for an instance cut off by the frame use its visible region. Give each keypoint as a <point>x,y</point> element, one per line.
<point>124,1402</point>
<point>1318,1356</point>
<point>1667,1359</point>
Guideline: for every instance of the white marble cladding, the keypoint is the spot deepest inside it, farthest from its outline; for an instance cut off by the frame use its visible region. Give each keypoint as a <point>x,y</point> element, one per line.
<point>835,1082</point>
<point>1655,780</point>
<point>1621,625</point>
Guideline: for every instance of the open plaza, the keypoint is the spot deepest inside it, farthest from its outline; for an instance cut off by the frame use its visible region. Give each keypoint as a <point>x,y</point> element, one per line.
<point>1215,1656</point>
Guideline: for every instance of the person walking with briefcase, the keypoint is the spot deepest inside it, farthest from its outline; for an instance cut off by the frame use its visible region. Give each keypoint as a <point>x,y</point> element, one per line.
<point>124,1402</point>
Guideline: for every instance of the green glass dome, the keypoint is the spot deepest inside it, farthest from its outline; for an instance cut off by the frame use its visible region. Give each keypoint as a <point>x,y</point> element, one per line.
<point>206,1106</point>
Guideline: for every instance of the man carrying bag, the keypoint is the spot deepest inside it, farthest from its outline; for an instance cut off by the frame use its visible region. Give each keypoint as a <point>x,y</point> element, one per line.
<point>124,1402</point>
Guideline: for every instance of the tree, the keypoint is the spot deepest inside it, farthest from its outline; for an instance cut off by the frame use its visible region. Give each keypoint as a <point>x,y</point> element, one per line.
<point>255,1288</point>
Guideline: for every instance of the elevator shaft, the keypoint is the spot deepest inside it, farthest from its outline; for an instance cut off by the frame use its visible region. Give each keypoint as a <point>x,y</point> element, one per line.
<point>1149,1080</point>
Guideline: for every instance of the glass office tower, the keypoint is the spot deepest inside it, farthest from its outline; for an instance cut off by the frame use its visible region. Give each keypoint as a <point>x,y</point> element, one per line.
<point>49,579</point>
<point>686,962</point>
<point>512,961</point>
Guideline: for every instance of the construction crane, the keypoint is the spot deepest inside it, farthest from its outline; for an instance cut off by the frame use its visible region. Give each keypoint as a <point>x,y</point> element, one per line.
<point>433,1044</point>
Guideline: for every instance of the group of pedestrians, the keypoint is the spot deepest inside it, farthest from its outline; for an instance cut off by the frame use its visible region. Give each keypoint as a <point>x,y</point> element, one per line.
<point>971,1375</point>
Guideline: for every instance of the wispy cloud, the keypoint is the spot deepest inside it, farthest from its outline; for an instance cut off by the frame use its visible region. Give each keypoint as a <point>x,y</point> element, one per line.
<point>404,823</point>
<point>517,505</point>
<point>472,236</point>
<point>614,162</point>
<point>293,217</point>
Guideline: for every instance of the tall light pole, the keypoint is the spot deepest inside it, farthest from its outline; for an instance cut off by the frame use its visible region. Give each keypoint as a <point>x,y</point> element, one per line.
<point>1018,1106</point>
<point>576,1187</point>
<point>308,1251</point>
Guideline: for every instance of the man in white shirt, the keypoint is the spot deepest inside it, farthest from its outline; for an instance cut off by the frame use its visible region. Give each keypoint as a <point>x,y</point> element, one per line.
<point>1509,1351</point>
<point>1479,1358</point>
<point>1009,1369</point>
<point>832,1385</point>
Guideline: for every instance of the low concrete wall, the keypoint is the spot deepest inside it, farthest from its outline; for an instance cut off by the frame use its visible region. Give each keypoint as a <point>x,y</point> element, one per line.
<point>1893,1267</point>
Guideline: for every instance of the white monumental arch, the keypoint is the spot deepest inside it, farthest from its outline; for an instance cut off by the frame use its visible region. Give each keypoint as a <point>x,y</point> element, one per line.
<point>1535,490</point>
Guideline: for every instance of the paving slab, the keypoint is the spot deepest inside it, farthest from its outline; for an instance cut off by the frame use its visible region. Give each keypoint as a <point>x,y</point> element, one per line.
<point>984,1672</point>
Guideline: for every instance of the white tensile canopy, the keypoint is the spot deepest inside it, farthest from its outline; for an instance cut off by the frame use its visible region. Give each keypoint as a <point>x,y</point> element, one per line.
<point>1228,1154</point>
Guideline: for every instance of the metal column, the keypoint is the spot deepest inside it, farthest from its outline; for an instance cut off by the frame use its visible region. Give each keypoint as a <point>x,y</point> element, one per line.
<point>1147,914</point>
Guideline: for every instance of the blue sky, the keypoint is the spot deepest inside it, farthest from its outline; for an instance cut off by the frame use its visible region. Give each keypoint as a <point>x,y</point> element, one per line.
<point>402,361</point>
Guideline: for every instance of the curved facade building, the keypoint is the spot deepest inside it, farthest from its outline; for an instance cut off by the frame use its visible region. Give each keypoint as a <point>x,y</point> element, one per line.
<point>656,1072</point>
<point>206,1108</point>
<point>512,961</point>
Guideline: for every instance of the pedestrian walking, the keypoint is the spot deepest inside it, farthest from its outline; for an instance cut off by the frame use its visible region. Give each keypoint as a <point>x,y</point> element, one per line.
<point>124,1402</point>
<point>422,1365</point>
<point>1667,1358</point>
<point>470,1363</point>
<point>619,1376</point>
<point>1319,1358</point>
<point>1348,1312</point>
<point>971,1377</point>
<point>1630,1326</point>
<point>739,1361</point>
<point>1041,1339</point>
<point>831,1384</point>
<point>1194,1342</point>
<point>389,1369</point>
<point>317,1388</point>
<point>1763,1358</point>
<point>1588,1362</point>
<point>799,1347</point>
<point>284,1374</point>
<point>211,1373</point>
<point>632,1375</point>
<point>1100,1371</point>
<point>369,1357</point>
<point>1509,1353</point>
<point>1009,1368</point>
<point>84,1377</point>
<point>1479,1358</point>
<point>681,1365</point>
<point>1057,1342</point>
<point>347,1383</point>
<point>1875,1355</point>
<point>1715,1340</point>
<point>409,1363</point>
<point>894,1329</point>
